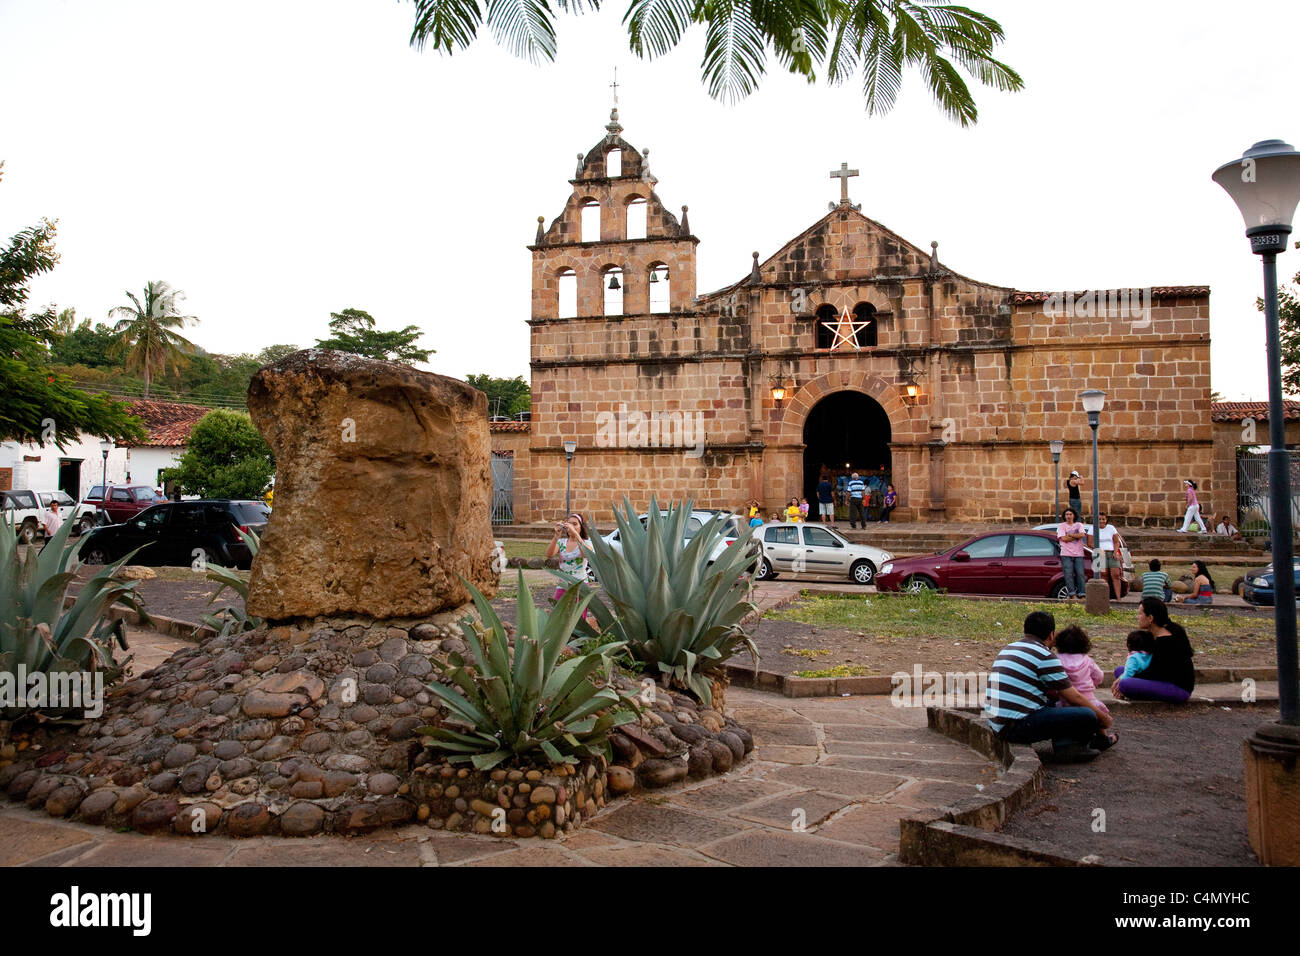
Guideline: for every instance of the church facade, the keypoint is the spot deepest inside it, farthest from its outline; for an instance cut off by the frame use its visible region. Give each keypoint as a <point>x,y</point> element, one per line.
<point>848,349</point>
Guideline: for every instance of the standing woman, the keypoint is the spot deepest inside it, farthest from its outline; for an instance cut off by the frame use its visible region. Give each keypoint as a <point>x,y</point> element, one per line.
<point>1193,507</point>
<point>1074,493</point>
<point>570,538</point>
<point>1071,534</point>
<point>1170,676</point>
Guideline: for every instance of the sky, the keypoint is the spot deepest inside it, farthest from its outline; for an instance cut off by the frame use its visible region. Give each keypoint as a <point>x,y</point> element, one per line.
<point>279,161</point>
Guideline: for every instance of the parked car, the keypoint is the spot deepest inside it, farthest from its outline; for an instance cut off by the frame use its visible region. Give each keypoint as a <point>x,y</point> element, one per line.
<point>23,510</point>
<point>1258,585</point>
<point>1023,563</point>
<point>731,529</point>
<point>814,549</point>
<point>124,502</point>
<point>178,532</point>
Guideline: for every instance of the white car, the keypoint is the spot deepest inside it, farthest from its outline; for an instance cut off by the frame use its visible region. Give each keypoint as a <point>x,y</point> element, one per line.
<point>731,528</point>
<point>803,548</point>
<point>23,510</point>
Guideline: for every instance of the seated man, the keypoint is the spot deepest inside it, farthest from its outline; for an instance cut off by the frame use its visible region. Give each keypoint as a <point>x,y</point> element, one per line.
<point>1018,708</point>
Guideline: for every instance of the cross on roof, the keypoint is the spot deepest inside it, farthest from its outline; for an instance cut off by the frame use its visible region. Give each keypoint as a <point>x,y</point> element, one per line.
<point>843,174</point>
<point>615,86</point>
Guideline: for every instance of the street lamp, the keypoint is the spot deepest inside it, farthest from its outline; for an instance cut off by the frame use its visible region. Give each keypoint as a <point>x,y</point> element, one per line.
<point>1265,185</point>
<point>1057,447</point>
<point>570,447</point>
<point>105,446</point>
<point>1096,591</point>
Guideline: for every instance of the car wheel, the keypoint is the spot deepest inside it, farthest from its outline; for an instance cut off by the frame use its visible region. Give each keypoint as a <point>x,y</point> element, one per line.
<point>764,572</point>
<point>95,555</point>
<point>1060,592</point>
<point>84,525</point>
<point>864,572</point>
<point>27,533</point>
<point>917,583</point>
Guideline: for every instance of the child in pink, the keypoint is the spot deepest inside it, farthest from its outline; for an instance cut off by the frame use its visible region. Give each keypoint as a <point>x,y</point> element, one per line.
<point>1072,647</point>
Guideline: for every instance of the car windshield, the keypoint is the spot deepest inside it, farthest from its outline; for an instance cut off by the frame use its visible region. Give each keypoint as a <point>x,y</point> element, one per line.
<point>250,512</point>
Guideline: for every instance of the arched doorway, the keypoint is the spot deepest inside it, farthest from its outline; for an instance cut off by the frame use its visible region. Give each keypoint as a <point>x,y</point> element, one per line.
<point>845,432</point>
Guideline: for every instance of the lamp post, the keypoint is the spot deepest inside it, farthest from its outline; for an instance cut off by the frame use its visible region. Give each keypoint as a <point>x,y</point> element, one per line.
<point>570,447</point>
<point>105,446</point>
<point>1057,447</point>
<point>1097,590</point>
<point>1265,185</point>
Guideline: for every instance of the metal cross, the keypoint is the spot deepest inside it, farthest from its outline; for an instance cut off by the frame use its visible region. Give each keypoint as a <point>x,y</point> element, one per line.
<point>615,86</point>
<point>843,174</point>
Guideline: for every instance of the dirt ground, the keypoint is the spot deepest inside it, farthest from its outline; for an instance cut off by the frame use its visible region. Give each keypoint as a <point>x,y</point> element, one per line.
<point>1172,793</point>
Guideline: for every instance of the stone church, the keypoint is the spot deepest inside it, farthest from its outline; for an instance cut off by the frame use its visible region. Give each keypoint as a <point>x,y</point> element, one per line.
<point>849,348</point>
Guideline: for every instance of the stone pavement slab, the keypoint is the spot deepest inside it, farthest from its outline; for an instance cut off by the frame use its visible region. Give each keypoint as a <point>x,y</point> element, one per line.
<point>865,764</point>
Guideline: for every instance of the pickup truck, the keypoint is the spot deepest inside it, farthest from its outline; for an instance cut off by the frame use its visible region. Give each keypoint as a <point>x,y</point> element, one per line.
<point>123,503</point>
<point>23,510</point>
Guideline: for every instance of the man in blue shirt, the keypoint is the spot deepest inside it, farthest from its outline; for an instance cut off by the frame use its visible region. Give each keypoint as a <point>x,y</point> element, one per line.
<point>826,500</point>
<point>856,488</point>
<point>1018,708</point>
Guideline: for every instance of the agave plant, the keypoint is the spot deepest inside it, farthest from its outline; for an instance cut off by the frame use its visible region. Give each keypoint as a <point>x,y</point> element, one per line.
<point>532,700</point>
<point>676,611</point>
<point>37,632</point>
<point>231,619</point>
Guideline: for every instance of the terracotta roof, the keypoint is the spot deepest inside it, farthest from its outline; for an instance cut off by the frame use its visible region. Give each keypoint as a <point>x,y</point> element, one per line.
<point>509,426</point>
<point>1237,411</point>
<point>168,423</point>
<point>1157,292</point>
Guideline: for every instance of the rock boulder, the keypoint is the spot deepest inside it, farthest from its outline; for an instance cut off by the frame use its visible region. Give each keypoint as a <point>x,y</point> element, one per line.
<point>383,489</point>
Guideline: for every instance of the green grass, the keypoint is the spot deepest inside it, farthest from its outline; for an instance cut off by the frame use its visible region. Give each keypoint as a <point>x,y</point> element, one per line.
<point>524,549</point>
<point>839,670</point>
<point>890,619</point>
<point>804,651</point>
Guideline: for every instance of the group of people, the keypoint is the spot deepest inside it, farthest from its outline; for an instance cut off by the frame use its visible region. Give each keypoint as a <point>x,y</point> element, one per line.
<point>1044,686</point>
<point>860,495</point>
<point>1073,536</point>
<point>1224,526</point>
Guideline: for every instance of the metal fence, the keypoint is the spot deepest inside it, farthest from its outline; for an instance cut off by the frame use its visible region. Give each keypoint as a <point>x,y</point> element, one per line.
<point>503,490</point>
<point>1253,506</point>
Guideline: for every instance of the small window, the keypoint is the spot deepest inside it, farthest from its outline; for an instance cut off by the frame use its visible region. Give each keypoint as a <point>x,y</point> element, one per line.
<point>568,293</point>
<point>994,546</point>
<point>826,333</point>
<point>614,163</point>
<point>188,517</point>
<point>693,525</point>
<point>121,494</point>
<point>636,219</point>
<point>612,280</point>
<point>1032,546</point>
<point>254,513</point>
<point>865,314</point>
<point>786,534</point>
<point>591,221</point>
<point>820,538</point>
<point>155,517</point>
<point>96,491</point>
<point>144,494</point>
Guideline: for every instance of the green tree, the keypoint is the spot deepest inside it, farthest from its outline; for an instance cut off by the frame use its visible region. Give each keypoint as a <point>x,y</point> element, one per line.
<point>273,353</point>
<point>1288,319</point>
<point>506,396</point>
<point>226,457</point>
<point>85,345</point>
<point>144,333</point>
<point>837,38</point>
<point>38,404</point>
<point>353,330</point>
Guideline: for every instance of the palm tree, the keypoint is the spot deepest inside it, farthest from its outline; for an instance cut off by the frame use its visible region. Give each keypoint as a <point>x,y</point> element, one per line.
<point>144,332</point>
<point>879,38</point>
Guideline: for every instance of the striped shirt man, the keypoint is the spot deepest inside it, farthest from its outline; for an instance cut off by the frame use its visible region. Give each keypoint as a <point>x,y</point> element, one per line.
<point>856,487</point>
<point>1018,683</point>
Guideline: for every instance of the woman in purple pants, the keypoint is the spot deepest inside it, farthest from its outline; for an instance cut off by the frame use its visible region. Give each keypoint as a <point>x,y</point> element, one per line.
<point>1170,677</point>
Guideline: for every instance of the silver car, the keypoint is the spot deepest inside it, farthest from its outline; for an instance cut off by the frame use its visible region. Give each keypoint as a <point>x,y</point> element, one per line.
<point>799,548</point>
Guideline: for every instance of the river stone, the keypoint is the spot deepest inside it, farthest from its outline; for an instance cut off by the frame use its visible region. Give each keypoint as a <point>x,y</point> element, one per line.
<point>248,820</point>
<point>723,758</point>
<point>156,814</point>
<point>180,755</point>
<point>163,782</point>
<point>387,467</point>
<point>656,772</point>
<point>259,703</point>
<point>690,733</point>
<point>64,800</point>
<point>302,819</point>
<point>700,760</point>
<point>196,819</point>
<point>228,749</point>
<point>41,790</point>
<point>384,784</point>
<point>745,736</point>
<point>97,806</point>
<point>621,780</point>
<point>735,743</point>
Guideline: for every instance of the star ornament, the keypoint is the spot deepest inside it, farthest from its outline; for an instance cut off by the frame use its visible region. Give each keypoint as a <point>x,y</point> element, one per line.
<point>845,331</point>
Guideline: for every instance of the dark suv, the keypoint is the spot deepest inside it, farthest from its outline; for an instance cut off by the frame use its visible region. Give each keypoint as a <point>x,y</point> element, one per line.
<point>179,533</point>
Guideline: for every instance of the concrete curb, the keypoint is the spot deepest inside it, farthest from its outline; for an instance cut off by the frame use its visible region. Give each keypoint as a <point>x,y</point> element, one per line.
<point>170,626</point>
<point>963,834</point>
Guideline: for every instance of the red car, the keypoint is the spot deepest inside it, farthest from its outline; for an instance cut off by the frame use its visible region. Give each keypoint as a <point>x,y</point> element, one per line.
<point>124,503</point>
<point>1021,563</point>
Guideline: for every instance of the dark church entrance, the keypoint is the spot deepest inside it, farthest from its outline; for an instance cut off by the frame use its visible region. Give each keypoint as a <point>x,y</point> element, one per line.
<point>844,433</point>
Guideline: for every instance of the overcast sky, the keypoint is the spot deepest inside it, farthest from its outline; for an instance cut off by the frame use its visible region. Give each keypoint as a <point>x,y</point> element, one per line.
<point>280,160</point>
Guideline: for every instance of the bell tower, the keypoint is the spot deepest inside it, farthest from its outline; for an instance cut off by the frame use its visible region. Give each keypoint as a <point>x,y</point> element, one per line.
<point>615,249</point>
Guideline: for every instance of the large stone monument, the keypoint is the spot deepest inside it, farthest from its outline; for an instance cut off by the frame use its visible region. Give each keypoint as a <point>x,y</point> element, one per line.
<point>383,489</point>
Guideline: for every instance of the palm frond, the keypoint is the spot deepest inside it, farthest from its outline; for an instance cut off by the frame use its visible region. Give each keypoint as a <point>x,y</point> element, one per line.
<point>735,50</point>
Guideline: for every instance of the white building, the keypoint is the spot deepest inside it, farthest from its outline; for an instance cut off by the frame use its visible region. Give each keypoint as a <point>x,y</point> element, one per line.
<point>81,464</point>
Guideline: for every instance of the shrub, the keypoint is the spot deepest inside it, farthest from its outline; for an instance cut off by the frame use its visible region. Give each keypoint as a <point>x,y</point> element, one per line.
<point>533,700</point>
<point>676,612</point>
<point>231,619</point>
